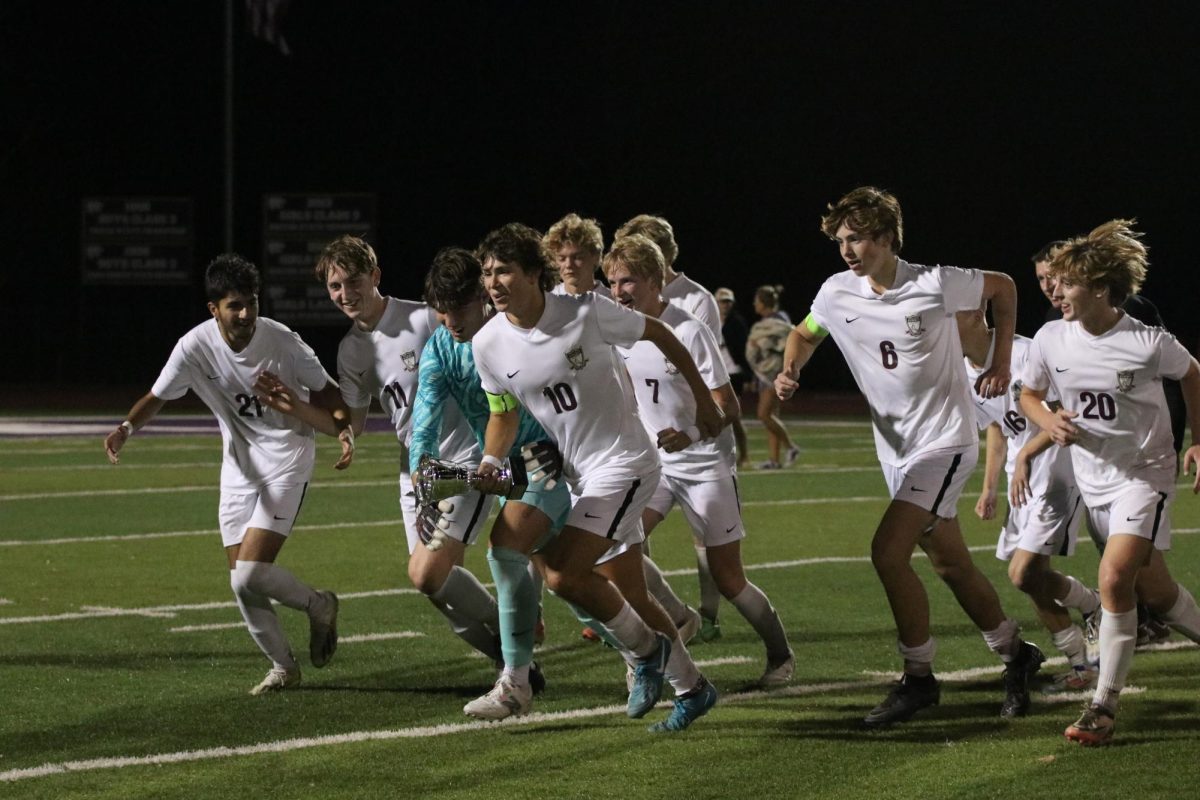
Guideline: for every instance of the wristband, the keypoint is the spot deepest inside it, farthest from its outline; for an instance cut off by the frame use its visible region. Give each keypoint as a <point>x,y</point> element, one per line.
<point>489,459</point>
<point>693,433</point>
<point>128,428</point>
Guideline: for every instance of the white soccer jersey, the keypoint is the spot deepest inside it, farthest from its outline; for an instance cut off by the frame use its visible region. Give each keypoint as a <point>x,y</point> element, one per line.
<point>1049,469</point>
<point>384,363</point>
<point>261,445</point>
<point>696,300</point>
<point>903,348</point>
<point>565,372</point>
<point>1114,382</point>
<point>598,287</point>
<point>665,400</point>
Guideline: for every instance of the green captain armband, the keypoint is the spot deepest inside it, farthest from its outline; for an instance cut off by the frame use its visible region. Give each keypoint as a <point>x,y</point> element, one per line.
<point>500,403</point>
<point>814,327</point>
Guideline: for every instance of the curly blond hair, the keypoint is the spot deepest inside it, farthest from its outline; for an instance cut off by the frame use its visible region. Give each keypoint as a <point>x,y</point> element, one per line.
<point>640,255</point>
<point>1109,257</point>
<point>657,229</point>
<point>573,229</point>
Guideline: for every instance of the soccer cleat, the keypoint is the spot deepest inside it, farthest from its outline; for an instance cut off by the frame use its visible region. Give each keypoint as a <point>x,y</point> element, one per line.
<point>322,631</point>
<point>710,629</point>
<point>277,680</point>
<point>1017,675</point>
<point>648,679</point>
<point>1077,679</point>
<point>688,708</point>
<point>793,453</point>
<point>506,699</point>
<point>778,673</point>
<point>590,635</point>
<point>1152,631</point>
<point>770,465</point>
<point>537,679</point>
<point>690,625</point>
<point>1094,727</point>
<point>909,695</point>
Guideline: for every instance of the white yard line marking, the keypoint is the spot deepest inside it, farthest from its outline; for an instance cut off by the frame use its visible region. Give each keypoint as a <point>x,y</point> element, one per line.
<point>718,662</point>
<point>216,626</point>
<point>379,637</point>
<point>208,487</point>
<point>4,601</point>
<point>215,465</point>
<point>421,732</point>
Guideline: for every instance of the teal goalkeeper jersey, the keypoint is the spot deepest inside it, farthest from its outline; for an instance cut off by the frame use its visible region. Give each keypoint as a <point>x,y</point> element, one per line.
<point>448,372</point>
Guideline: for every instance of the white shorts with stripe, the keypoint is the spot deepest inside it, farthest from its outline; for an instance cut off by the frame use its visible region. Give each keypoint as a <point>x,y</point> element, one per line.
<point>1047,525</point>
<point>470,513</point>
<point>273,507</point>
<point>933,480</point>
<point>712,508</point>
<point>1141,510</point>
<point>611,505</point>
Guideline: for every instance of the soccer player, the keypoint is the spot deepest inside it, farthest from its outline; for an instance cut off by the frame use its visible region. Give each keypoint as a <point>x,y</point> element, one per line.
<point>268,458</point>
<point>1106,368</point>
<point>680,290</point>
<point>554,355</point>
<point>764,351</point>
<point>448,376</point>
<point>894,323</point>
<point>1048,524</point>
<point>380,356</point>
<point>575,245</point>
<point>734,331</point>
<point>700,476</point>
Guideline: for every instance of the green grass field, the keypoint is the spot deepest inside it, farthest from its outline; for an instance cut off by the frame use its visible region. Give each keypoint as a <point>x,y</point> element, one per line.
<point>124,670</point>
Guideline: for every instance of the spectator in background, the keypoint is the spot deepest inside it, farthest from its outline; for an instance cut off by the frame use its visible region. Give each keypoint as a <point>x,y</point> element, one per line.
<point>734,332</point>
<point>764,352</point>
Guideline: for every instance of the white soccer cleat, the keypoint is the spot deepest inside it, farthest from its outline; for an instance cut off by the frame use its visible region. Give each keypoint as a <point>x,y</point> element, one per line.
<point>780,674</point>
<point>506,699</point>
<point>277,680</point>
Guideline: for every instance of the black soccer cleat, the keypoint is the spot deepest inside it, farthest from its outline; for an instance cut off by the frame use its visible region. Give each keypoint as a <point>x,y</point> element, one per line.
<point>1017,676</point>
<point>909,695</point>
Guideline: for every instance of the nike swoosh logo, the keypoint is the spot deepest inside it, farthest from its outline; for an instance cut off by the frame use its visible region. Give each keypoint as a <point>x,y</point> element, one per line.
<point>915,489</point>
<point>278,517</point>
<point>212,377</point>
<point>510,374</point>
<point>1133,519</point>
<point>591,516</point>
<point>850,319</point>
<point>1060,369</point>
<point>362,372</point>
<point>730,528</point>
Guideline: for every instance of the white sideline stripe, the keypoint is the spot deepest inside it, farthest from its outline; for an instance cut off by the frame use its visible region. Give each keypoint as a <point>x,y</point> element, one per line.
<point>216,626</point>
<point>4,601</point>
<point>379,637</point>
<point>718,662</point>
<point>422,732</point>
<point>172,465</point>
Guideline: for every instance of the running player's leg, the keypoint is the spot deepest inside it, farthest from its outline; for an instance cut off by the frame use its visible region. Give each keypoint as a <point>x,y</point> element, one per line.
<point>685,618</point>
<point>1167,598</point>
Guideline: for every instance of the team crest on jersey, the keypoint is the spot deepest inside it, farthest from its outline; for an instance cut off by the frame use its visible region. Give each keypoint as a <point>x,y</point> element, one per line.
<point>913,323</point>
<point>671,368</point>
<point>1016,391</point>
<point>576,358</point>
<point>1125,381</point>
<point>410,361</point>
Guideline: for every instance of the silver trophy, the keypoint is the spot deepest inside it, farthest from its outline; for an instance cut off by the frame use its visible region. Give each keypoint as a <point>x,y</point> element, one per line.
<point>437,480</point>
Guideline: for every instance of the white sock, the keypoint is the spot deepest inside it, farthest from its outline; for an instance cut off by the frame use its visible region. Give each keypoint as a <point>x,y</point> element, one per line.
<point>752,604</point>
<point>1184,616</point>
<point>660,590</point>
<point>1004,640</point>
<point>681,671</point>
<point>518,675</point>
<point>710,595</point>
<point>260,618</point>
<point>1118,637</point>
<point>1080,597</point>
<point>278,584</point>
<point>918,661</point>
<point>473,632</point>
<point>463,592</point>
<point>1070,643</point>
<point>632,631</point>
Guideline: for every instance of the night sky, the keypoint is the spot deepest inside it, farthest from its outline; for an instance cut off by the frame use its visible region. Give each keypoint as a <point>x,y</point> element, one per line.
<point>999,126</point>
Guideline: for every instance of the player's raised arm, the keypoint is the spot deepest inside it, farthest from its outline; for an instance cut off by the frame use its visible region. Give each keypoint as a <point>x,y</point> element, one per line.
<point>802,342</point>
<point>142,412</point>
<point>709,418</point>
<point>325,410</point>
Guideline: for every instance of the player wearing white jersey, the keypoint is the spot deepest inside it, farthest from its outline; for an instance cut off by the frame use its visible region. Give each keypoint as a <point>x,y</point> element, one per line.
<point>575,245</point>
<point>700,475</point>
<point>268,458</point>
<point>1107,370</point>
<point>894,323</point>
<point>380,357</point>
<point>1046,525</point>
<point>680,290</point>
<point>554,355</point>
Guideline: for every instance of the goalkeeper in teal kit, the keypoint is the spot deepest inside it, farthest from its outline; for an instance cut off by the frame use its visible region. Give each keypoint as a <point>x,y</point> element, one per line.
<point>447,372</point>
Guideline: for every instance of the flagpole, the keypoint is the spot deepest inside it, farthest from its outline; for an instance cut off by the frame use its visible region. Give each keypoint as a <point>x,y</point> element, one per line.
<point>228,195</point>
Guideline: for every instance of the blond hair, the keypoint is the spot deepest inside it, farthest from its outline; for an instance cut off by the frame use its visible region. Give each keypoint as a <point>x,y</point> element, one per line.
<point>574,229</point>
<point>868,211</point>
<point>638,254</point>
<point>657,229</point>
<point>351,253</point>
<point>1110,256</point>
